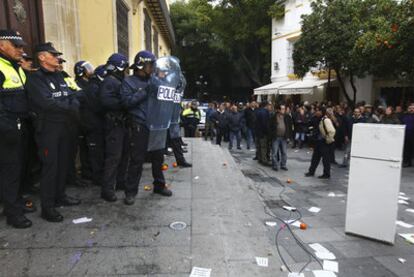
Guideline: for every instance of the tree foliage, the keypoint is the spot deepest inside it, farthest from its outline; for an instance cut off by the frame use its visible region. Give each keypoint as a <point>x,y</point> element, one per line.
<point>228,42</point>
<point>355,38</point>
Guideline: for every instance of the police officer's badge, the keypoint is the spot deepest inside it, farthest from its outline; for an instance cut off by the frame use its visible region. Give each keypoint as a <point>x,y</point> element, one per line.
<point>52,86</point>
<point>15,79</point>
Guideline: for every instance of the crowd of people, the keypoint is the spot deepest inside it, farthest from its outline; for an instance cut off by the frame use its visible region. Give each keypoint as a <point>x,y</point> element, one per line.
<point>116,120</point>
<point>323,126</point>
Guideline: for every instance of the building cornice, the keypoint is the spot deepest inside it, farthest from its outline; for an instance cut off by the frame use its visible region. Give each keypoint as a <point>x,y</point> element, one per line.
<point>161,14</point>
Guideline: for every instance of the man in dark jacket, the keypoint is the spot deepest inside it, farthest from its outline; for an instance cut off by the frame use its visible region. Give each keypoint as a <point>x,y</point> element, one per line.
<point>281,126</point>
<point>408,120</point>
<point>235,121</point>
<point>357,117</point>
<point>116,131</point>
<point>250,116</point>
<point>219,118</point>
<point>57,109</point>
<point>262,133</point>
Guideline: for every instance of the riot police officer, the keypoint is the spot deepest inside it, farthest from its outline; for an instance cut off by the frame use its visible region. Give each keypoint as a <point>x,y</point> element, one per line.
<point>116,132</point>
<point>13,111</point>
<point>93,124</point>
<point>56,109</point>
<point>135,99</point>
<point>83,72</point>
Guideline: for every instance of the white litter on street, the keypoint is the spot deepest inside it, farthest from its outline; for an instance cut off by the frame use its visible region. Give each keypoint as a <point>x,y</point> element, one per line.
<point>403,198</point>
<point>401,260</point>
<point>196,177</point>
<point>262,261</point>
<point>82,220</point>
<point>200,272</point>
<point>409,210</point>
<point>325,255</point>
<point>271,223</point>
<point>296,274</point>
<point>318,248</point>
<point>408,237</point>
<point>314,209</point>
<point>323,273</point>
<point>330,266</point>
<point>403,202</point>
<point>404,224</point>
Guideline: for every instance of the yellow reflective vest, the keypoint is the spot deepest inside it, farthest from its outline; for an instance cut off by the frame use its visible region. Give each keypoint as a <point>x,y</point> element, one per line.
<point>14,81</point>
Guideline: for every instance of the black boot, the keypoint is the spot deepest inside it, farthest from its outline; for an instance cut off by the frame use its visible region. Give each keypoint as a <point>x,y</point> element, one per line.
<point>162,190</point>
<point>51,215</point>
<point>19,221</point>
<point>184,164</point>
<point>109,197</point>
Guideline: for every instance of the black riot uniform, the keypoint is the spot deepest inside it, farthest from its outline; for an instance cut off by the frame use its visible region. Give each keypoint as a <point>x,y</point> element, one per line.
<point>137,98</point>
<point>13,112</point>
<point>116,131</point>
<point>56,108</point>
<point>174,132</point>
<point>93,124</point>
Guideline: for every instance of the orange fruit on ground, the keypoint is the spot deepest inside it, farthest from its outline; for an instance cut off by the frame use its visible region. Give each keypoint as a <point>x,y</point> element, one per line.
<point>164,167</point>
<point>289,180</point>
<point>147,187</point>
<point>174,164</point>
<point>303,226</point>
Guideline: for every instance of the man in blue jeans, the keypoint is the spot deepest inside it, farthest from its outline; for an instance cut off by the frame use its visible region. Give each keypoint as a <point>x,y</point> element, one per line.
<point>281,133</point>
<point>235,123</point>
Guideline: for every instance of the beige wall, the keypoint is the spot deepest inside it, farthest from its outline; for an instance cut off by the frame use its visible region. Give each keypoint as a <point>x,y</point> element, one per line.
<point>86,29</point>
<point>97,34</point>
<point>61,24</point>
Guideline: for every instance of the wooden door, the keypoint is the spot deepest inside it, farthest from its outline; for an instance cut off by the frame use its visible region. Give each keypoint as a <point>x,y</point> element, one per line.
<point>24,16</point>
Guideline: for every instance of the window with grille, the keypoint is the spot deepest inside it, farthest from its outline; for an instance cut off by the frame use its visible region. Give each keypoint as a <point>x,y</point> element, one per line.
<point>155,41</point>
<point>122,27</point>
<point>147,31</point>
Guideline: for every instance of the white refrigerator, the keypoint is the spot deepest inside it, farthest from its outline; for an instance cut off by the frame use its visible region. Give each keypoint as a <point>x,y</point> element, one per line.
<point>374,181</point>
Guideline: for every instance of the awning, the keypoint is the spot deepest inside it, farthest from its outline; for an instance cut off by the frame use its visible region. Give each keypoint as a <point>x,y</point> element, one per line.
<point>272,88</point>
<point>291,87</point>
<point>302,87</point>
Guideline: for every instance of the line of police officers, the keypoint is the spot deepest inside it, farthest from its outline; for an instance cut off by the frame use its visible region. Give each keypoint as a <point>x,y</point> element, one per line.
<point>103,112</point>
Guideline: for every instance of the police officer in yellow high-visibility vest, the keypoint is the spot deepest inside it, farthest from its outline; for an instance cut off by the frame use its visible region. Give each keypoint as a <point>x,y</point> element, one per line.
<point>13,113</point>
<point>191,118</point>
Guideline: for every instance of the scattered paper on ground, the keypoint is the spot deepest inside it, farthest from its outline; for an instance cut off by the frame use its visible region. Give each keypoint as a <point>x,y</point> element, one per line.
<point>323,273</point>
<point>401,260</point>
<point>262,261</point>
<point>294,222</point>
<point>403,202</point>
<point>401,193</point>
<point>330,266</point>
<point>409,210</point>
<point>271,223</point>
<point>296,274</point>
<point>318,248</point>
<point>404,224</point>
<point>200,272</point>
<point>403,198</point>
<point>408,237</point>
<point>314,209</point>
<point>82,220</point>
<point>289,208</point>
<point>331,194</point>
<point>325,255</point>
<point>196,177</point>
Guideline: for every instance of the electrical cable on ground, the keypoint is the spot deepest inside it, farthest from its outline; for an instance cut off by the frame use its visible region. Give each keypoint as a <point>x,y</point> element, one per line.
<point>285,225</point>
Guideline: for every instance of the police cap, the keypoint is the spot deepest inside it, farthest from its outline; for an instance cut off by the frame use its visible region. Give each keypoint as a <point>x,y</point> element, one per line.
<point>12,36</point>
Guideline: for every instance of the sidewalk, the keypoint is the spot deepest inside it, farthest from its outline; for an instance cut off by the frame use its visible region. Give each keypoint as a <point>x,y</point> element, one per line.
<point>225,228</point>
